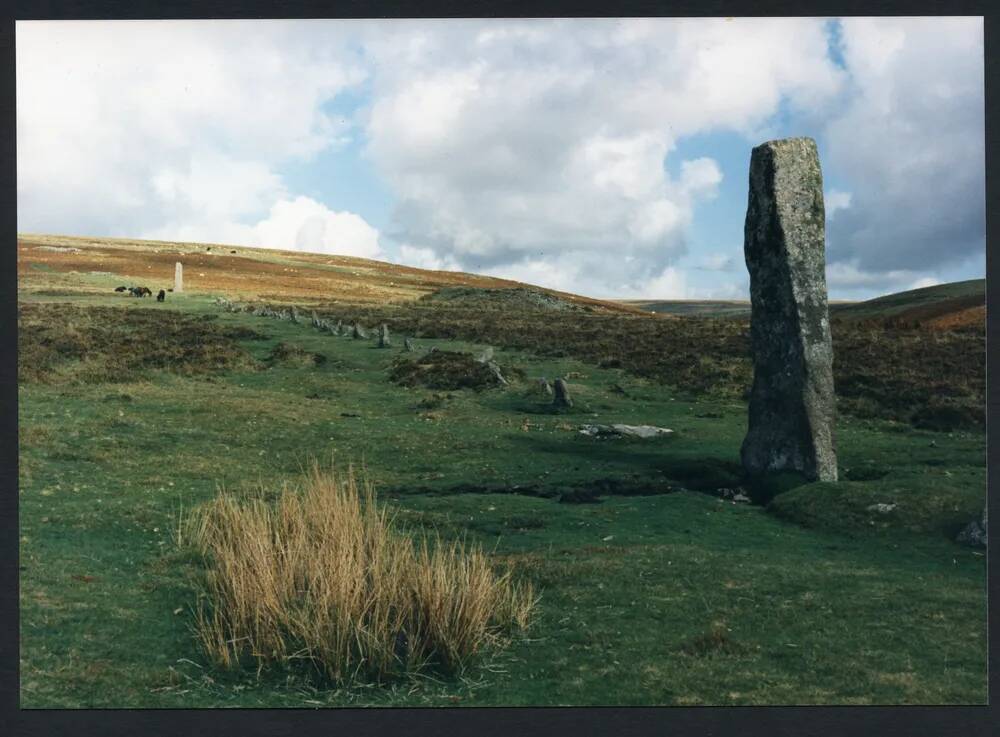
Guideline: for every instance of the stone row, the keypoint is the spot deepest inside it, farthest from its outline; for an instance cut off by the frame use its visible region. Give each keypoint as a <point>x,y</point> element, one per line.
<point>292,314</point>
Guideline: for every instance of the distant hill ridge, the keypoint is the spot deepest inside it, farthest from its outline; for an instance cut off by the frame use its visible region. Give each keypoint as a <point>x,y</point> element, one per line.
<point>943,305</point>
<point>81,264</point>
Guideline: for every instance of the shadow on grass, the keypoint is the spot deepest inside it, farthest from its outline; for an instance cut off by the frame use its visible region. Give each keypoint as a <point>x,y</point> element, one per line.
<point>649,458</point>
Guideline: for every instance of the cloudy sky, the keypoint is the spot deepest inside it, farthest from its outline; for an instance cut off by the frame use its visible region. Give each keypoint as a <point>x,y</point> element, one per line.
<point>603,157</point>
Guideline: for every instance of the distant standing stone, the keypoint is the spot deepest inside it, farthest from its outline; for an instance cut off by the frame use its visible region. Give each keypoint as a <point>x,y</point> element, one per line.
<point>408,345</point>
<point>544,386</point>
<point>486,356</point>
<point>294,315</point>
<point>316,322</point>
<point>561,392</point>
<point>383,336</point>
<point>792,411</point>
<point>178,277</point>
<point>497,374</point>
<point>358,332</point>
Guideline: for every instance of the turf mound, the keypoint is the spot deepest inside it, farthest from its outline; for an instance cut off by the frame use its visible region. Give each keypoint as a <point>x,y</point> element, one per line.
<point>517,298</point>
<point>447,370</point>
<point>856,508</point>
<point>289,354</point>
<point>68,343</point>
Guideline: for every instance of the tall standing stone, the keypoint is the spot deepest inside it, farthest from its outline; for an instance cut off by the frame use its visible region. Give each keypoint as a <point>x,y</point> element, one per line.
<point>178,277</point>
<point>383,336</point>
<point>792,405</point>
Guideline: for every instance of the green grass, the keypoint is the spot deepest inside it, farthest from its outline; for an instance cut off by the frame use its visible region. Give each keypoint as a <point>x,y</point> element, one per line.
<point>659,593</point>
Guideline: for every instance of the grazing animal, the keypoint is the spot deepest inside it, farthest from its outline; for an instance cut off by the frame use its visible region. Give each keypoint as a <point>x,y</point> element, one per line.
<point>145,292</point>
<point>121,289</point>
<point>161,296</point>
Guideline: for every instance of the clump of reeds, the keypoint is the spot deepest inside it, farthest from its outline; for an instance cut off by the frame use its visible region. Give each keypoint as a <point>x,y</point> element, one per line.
<point>321,574</point>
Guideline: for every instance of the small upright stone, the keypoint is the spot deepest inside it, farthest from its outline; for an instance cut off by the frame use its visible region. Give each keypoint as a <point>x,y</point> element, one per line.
<point>358,332</point>
<point>792,410</point>
<point>497,374</point>
<point>974,533</point>
<point>294,315</point>
<point>383,336</point>
<point>333,329</point>
<point>316,322</point>
<point>486,356</point>
<point>561,396</point>
<point>408,345</point>
<point>545,387</point>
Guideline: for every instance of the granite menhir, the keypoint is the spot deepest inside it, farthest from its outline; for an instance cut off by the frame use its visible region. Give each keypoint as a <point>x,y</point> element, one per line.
<point>792,405</point>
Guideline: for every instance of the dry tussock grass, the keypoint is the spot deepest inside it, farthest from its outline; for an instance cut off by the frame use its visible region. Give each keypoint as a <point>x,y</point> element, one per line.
<point>322,575</point>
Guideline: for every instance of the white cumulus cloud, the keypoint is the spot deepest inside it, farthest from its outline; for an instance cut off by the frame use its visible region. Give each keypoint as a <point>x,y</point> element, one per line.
<point>125,127</point>
<point>539,149</point>
<point>299,224</point>
<point>910,139</point>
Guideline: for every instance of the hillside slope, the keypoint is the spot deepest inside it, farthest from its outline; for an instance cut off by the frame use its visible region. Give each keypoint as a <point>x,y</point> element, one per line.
<point>81,265</point>
<point>942,306</point>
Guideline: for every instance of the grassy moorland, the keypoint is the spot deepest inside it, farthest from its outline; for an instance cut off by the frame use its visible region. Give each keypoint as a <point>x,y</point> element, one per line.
<point>656,588</point>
